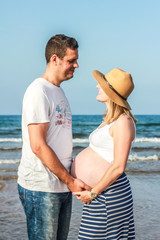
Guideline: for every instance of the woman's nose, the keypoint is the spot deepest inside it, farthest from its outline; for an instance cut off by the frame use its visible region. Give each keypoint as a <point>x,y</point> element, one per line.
<point>98,86</point>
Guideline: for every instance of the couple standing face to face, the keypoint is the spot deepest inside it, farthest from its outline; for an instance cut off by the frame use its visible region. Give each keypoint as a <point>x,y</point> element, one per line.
<point>44,171</point>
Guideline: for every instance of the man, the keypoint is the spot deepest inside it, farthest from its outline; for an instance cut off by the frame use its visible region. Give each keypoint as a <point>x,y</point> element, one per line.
<point>44,182</point>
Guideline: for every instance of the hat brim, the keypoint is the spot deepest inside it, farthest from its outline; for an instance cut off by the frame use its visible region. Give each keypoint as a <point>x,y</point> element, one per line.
<point>100,78</point>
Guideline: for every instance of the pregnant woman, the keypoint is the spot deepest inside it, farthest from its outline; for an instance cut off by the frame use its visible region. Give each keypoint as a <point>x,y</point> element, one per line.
<point>108,209</point>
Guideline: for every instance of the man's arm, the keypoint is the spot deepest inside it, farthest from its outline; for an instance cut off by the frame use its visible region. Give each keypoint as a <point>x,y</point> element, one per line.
<point>37,136</point>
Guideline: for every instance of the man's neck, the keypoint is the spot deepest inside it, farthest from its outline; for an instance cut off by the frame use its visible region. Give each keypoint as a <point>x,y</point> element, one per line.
<point>49,76</point>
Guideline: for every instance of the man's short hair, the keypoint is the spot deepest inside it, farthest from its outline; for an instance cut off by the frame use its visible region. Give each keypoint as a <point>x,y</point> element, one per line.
<point>58,45</point>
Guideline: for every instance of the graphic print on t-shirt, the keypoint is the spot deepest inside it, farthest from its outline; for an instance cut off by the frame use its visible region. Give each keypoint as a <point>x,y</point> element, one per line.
<point>63,115</point>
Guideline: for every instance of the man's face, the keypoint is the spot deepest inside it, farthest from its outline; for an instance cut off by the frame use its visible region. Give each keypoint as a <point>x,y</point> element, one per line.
<point>67,65</point>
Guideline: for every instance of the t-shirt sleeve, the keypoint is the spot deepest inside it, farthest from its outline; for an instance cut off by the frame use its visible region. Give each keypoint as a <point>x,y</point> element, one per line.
<point>36,108</point>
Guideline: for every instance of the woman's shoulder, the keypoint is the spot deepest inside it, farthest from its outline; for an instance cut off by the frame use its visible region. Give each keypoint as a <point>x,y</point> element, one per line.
<point>123,122</point>
<point>125,125</point>
<point>124,119</point>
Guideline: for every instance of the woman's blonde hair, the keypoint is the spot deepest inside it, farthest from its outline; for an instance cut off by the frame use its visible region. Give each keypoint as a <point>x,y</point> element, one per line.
<point>114,111</point>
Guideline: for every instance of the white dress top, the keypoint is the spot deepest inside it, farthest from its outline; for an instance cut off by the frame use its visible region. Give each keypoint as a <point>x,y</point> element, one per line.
<point>102,142</point>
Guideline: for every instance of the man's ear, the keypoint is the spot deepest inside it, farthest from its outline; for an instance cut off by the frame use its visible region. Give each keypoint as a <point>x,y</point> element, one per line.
<point>54,59</point>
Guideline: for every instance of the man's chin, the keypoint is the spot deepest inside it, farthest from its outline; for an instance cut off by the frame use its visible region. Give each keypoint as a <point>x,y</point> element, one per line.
<point>69,76</point>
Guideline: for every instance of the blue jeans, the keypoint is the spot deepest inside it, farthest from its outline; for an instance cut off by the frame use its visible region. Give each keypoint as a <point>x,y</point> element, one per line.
<point>47,214</point>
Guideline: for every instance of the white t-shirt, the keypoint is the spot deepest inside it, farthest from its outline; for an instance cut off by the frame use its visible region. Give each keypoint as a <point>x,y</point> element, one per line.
<point>45,102</point>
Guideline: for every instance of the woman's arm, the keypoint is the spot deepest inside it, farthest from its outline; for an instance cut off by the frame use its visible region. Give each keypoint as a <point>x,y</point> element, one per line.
<point>123,133</point>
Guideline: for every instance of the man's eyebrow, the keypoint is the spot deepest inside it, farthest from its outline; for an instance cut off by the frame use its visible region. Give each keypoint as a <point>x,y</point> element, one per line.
<point>72,59</point>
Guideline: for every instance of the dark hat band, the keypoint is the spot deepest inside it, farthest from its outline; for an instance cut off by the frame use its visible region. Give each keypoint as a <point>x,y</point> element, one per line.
<point>114,89</point>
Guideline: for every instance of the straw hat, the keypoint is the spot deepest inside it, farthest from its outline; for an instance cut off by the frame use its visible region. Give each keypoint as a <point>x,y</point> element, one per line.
<point>117,84</point>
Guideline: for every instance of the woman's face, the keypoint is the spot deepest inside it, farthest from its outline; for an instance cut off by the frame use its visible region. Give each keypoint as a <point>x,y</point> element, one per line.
<point>102,96</point>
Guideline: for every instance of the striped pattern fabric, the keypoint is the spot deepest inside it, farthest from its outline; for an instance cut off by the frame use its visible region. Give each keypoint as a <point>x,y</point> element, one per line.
<point>110,215</point>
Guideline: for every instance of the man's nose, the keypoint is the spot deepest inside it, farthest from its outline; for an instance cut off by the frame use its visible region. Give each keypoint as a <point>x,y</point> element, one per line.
<point>76,65</point>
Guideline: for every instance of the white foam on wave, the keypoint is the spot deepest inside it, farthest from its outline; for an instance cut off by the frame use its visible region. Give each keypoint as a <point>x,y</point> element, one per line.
<point>86,140</point>
<point>143,158</point>
<point>10,139</point>
<point>83,140</point>
<point>76,140</point>
<point>156,140</point>
<point>131,158</point>
<point>9,161</point>
<point>80,140</point>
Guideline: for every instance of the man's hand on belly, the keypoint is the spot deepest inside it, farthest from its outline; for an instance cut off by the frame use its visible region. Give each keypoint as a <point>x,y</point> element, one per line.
<point>77,185</point>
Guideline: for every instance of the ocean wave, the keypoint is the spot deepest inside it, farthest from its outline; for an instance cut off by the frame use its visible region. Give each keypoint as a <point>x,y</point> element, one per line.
<point>80,140</point>
<point>131,158</point>
<point>131,171</point>
<point>79,135</point>
<point>10,148</point>
<point>143,158</point>
<point>148,124</point>
<point>10,139</point>
<point>9,161</point>
<point>155,140</point>
<point>147,148</point>
<point>140,149</point>
<point>75,140</point>
<point>78,147</point>
<point>10,128</point>
<point>152,140</point>
<point>84,140</point>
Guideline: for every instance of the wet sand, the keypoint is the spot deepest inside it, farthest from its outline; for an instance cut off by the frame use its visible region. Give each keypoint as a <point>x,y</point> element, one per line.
<point>146,197</point>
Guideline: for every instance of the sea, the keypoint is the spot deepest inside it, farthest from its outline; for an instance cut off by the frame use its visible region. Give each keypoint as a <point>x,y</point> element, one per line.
<point>143,170</point>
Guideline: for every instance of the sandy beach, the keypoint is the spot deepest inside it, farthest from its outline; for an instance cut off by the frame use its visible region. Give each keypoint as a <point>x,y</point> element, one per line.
<point>146,210</point>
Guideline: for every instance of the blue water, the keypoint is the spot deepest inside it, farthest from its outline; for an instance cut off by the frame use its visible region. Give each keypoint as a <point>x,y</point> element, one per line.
<point>143,169</point>
<point>144,156</point>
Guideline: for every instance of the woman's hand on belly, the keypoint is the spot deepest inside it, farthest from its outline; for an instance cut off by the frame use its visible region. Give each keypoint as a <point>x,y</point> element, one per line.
<point>84,196</point>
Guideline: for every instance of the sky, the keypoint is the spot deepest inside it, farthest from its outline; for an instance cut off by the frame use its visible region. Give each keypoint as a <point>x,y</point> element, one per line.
<point>117,33</point>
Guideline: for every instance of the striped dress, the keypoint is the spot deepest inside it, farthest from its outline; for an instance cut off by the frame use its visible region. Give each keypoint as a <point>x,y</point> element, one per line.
<point>110,215</point>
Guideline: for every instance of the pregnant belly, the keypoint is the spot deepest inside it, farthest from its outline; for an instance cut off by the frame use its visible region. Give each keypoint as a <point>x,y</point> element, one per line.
<point>89,167</point>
